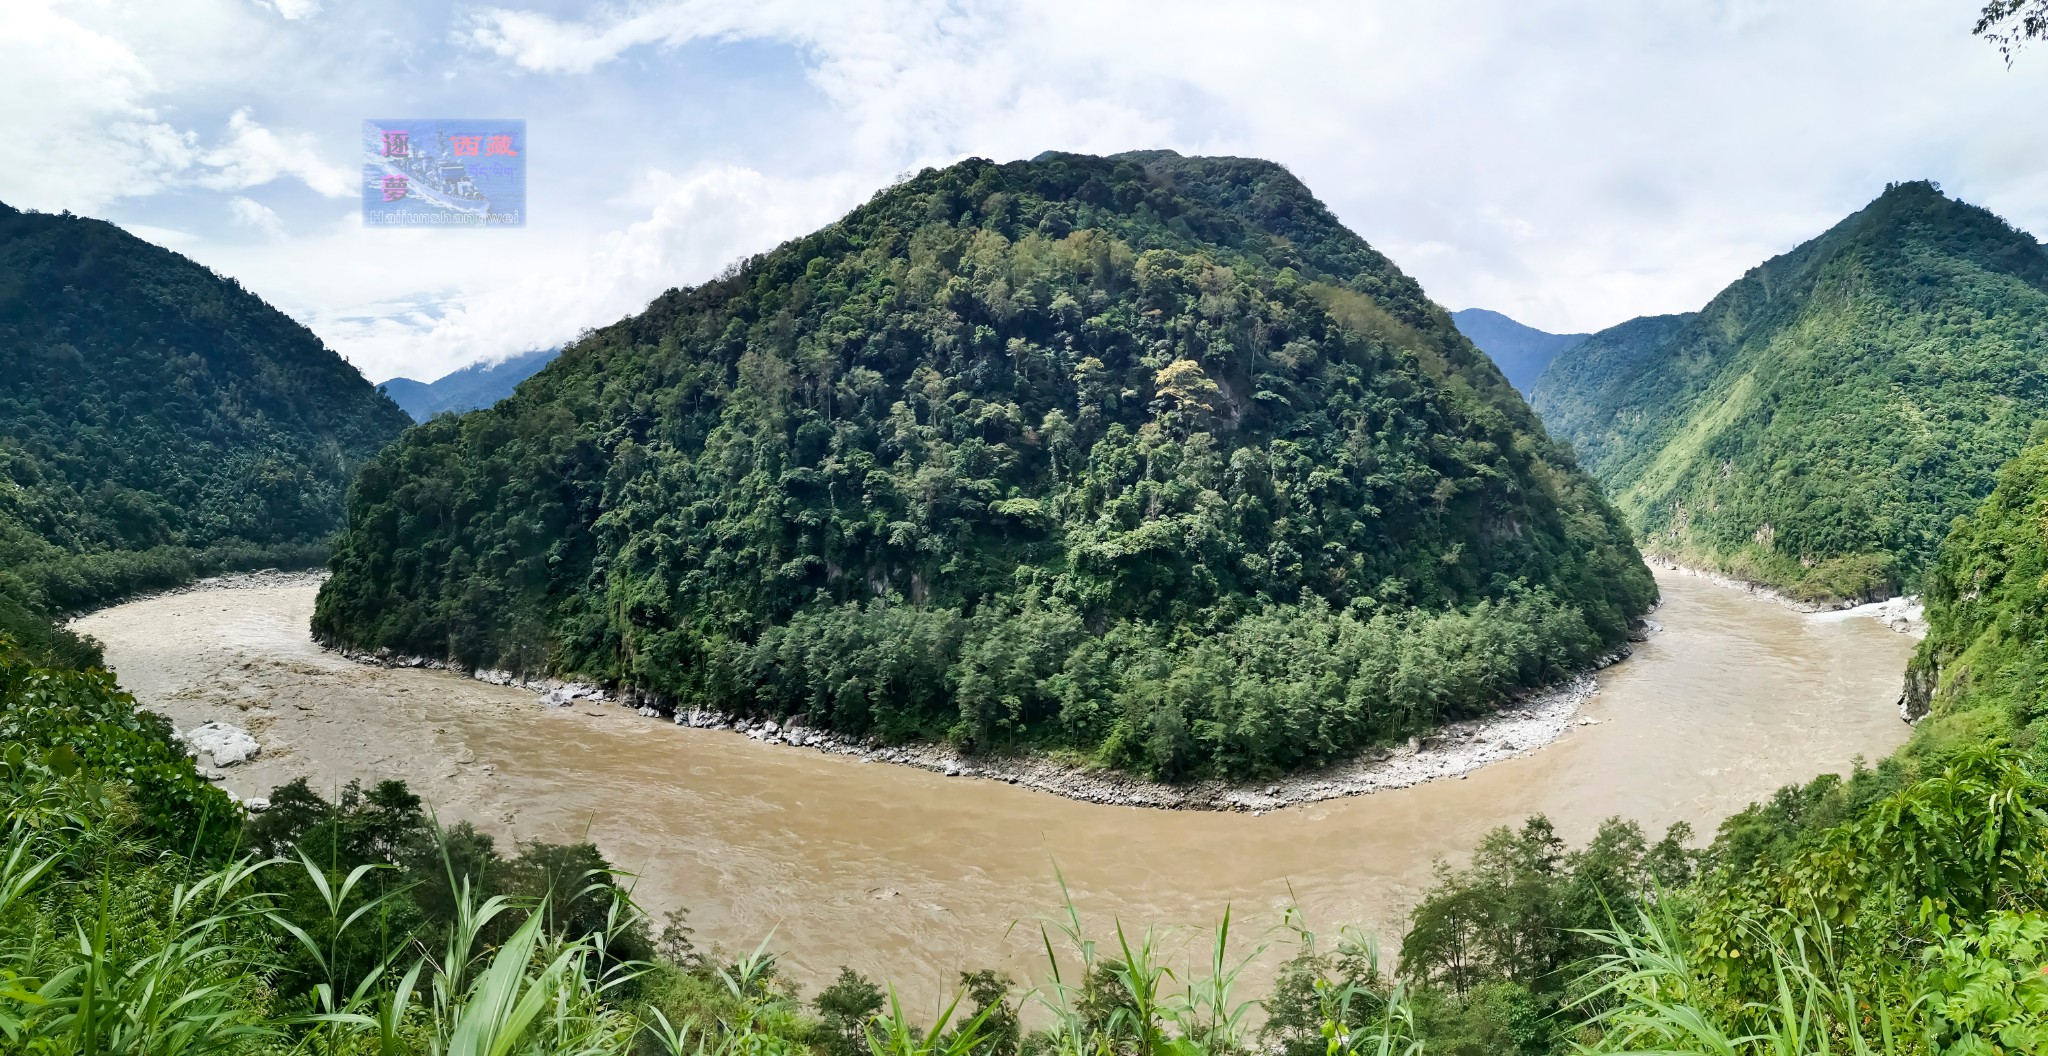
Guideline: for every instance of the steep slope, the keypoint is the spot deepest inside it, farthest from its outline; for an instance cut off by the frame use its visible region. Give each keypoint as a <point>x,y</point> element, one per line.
<point>1143,456</point>
<point>1982,670</point>
<point>1570,395</point>
<point>157,420</point>
<point>1520,351</point>
<point>1818,425</point>
<point>474,386</point>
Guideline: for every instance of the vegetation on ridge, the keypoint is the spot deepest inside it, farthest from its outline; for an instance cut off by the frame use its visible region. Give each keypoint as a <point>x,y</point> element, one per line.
<point>157,421</point>
<point>1818,425</point>
<point>1146,457</point>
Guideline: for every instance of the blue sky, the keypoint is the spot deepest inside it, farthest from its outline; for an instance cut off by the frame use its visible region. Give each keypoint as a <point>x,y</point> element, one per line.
<point>1571,164</point>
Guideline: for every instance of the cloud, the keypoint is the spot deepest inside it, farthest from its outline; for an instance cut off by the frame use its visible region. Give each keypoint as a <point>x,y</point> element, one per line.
<point>254,155</point>
<point>72,101</point>
<point>292,10</point>
<point>1570,162</point>
<point>83,127</point>
<point>703,222</point>
<point>248,212</point>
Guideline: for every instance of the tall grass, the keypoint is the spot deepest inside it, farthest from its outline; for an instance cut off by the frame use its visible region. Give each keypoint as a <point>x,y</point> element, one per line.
<point>113,948</point>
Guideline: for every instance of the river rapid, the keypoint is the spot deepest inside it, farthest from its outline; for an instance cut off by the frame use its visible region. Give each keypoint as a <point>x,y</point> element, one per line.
<point>913,876</point>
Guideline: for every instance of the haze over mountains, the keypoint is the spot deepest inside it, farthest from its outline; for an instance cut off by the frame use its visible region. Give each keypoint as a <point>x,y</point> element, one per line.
<point>474,386</point>
<point>1819,424</point>
<point>1143,455</point>
<point>157,420</point>
<point>1520,351</point>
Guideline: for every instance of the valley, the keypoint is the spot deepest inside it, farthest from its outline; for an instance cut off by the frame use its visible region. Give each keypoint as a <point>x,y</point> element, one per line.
<point>910,875</point>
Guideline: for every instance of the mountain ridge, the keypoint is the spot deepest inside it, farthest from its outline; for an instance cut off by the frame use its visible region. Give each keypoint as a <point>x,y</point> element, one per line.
<point>1521,351</point>
<point>1817,425</point>
<point>160,420</point>
<point>467,388</point>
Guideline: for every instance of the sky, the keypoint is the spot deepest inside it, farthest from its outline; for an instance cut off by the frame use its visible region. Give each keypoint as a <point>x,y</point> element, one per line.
<point>1572,164</point>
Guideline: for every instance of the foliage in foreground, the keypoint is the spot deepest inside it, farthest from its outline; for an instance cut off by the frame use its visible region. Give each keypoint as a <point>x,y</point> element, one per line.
<point>358,928</point>
<point>1903,911</point>
<point>1144,457</point>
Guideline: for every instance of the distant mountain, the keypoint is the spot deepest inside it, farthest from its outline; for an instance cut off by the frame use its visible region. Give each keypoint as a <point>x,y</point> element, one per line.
<point>474,386</point>
<point>156,420</point>
<point>1145,457</point>
<point>1521,352</point>
<point>1820,423</point>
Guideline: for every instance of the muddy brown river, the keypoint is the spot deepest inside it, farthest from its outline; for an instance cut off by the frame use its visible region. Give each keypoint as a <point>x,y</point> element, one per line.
<point>913,876</point>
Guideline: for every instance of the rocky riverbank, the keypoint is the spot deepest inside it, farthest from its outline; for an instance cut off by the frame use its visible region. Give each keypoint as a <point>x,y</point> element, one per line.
<point>1451,751</point>
<point>1905,615</point>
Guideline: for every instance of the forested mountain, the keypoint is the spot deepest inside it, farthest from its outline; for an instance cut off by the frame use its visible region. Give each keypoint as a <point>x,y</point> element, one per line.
<point>1818,424</point>
<point>1980,671</point>
<point>1567,395</point>
<point>474,386</point>
<point>156,420</point>
<point>1520,351</point>
<point>1146,456</point>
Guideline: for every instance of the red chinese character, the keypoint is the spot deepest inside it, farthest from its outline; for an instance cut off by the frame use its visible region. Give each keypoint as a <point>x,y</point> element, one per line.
<point>500,145</point>
<point>397,144</point>
<point>394,188</point>
<point>465,146</point>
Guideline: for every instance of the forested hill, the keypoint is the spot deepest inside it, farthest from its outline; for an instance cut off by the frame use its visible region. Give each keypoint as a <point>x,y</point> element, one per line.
<point>1143,456</point>
<point>156,420</point>
<point>1982,670</point>
<point>1819,424</point>
<point>1519,350</point>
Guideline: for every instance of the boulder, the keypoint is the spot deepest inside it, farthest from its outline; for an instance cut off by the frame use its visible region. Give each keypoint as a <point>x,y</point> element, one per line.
<point>229,745</point>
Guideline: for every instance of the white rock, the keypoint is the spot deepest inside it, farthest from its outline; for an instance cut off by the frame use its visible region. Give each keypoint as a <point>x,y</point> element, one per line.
<point>227,744</point>
<point>256,804</point>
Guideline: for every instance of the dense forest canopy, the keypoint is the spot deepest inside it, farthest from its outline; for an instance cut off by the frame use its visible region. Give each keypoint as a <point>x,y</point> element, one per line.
<point>1818,425</point>
<point>157,419</point>
<point>1980,671</point>
<point>1146,456</point>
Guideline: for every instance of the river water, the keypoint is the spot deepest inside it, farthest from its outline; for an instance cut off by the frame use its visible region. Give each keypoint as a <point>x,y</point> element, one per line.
<point>912,876</point>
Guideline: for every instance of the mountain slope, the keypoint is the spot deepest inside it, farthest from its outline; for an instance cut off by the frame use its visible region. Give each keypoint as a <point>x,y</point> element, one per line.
<point>474,386</point>
<point>1980,671</point>
<point>1818,425</point>
<point>1570,395</point>
<point>1143,456</point>
<point>157,419</point>
<point>1520,351</point>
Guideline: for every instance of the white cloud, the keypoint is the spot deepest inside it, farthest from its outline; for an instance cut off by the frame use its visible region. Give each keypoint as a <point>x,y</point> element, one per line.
<point>247,212</point>
<point>72,102</point>
<point>292,10</point>
<point>1570,162</point>
<point>84,126</point>
<point>704,221</point>
<point>254,155</point>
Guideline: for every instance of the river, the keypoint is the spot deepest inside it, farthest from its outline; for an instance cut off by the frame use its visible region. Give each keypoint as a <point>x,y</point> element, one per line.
<point>912,876</point>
